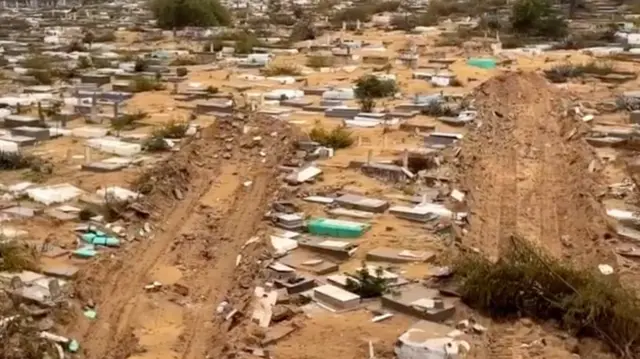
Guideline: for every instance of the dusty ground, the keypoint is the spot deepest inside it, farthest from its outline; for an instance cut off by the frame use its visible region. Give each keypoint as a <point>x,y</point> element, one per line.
<point>523,174</point>
<point>196,246</point>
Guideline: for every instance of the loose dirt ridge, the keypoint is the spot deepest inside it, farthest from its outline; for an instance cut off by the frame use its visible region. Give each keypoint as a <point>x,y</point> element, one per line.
<point>223,205</point>
<point>526,172</point>
<point>527,176</point>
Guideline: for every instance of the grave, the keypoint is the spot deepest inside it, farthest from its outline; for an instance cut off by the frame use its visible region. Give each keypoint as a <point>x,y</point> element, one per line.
<point>103,167</point>
<point>20,141</point>
<point>395,255</point>
<point>291,221</point>
<point>296,284</point>
<point>61,271</point>
<point>335,297</point>
<point>338,249</point>
<point>89,132</point>
<point>13,121</point>
<point>38,133</point>
<point>304,261</point>
<point>416,214</point>
<point>421,302</point>
<point>362,203</point>
<point>95,78</point>
<point>114,146</point>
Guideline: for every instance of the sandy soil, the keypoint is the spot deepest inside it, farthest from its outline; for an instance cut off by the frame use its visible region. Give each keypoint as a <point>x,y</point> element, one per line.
<point>196,246</point>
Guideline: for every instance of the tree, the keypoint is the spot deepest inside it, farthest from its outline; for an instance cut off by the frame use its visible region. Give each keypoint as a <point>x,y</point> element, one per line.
<point>537,18</point>
<point>370,87</point>
<point>176,14</point>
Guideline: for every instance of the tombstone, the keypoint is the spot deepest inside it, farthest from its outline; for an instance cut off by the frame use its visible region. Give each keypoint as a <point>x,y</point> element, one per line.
<point>54,289</point>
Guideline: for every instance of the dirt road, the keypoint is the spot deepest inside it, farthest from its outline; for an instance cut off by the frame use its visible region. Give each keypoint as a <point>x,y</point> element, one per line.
<point>526,175</point>
<point>197,240</point>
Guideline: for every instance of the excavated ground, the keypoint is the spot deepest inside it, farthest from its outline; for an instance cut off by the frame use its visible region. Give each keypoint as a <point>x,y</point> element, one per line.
<point>225,181</point>
<point>527,174</point>
<point>525,170</point>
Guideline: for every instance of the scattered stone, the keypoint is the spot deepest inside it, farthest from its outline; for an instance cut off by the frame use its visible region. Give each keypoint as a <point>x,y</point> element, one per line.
<point>178,194</point>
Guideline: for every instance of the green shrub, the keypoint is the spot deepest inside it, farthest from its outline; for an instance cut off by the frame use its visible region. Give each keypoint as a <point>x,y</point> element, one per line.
<point>38,62</point>
<point>370,87</point>
<point>525,281</point>
<point>128,121</point>
<point>101,63</point>
<point>366,285</point>
<point>537,18</point>
<point>338,137</point>
<point>437,109</point>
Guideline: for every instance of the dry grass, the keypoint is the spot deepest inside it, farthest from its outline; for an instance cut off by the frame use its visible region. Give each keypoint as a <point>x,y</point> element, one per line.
<point>528,282</point>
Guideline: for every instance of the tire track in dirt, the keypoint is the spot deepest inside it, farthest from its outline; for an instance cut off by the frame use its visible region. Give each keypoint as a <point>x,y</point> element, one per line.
<point>102,337</point>
<point>524,177</point>
<point>112,335</point>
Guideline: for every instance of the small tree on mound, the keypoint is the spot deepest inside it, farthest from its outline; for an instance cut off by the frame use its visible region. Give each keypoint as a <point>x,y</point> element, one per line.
<point>176,14</point>
<point>369,88</point>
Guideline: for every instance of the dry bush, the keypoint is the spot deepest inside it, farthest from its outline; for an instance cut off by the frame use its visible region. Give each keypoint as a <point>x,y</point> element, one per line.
<point>338,137</point>
<point>281,70</point>
<point>15,258</point>
<point>525,281</point>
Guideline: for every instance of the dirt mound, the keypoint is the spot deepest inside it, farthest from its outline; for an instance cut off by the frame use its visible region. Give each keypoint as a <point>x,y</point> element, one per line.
<point>525,173</point>
<point>224,181</point>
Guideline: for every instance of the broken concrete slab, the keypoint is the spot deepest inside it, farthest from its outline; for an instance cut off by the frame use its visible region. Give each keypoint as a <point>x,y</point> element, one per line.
<point>296,284</point>
<point>429,340</point>
<point>336,298</point>
<point>277,332</point>
<point>61,271</point>
<point>353,213</point>
<point>397,255</point>
<point>263,308</point>
<point>362,203</point>
<point>54,194</point>
<point>304,261</point>
<point>18,211</point>
<point>421,302</point>
<point>303,175</point>
<point>338,249</point>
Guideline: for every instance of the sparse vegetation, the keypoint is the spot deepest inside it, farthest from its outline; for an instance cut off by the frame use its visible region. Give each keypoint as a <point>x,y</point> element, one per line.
<point>144,84</point>
<point>437,109</point>
<point>367,285</point>
<point>15,258</point>
<point>537,18</point>
<point>562,73</point>
<point>76,46</point>
<point>108,36</point>
<point>211,90</point>
<point>370,87</point>
<point>525,281</point>
<point>127,121</point>
<point>281,70</point>
<point>319,61</point>
<point>42,77</point>
<point>101,63</point>
<point>338,137</point>
<point>172,129</point>
<point>184,61</point>
<point>16,161</point>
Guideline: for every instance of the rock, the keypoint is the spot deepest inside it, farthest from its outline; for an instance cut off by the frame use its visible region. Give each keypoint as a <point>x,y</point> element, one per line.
<point>178,194</point>
<point>281,312</point>
<point>181,289</point>
<point>526,322</point>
